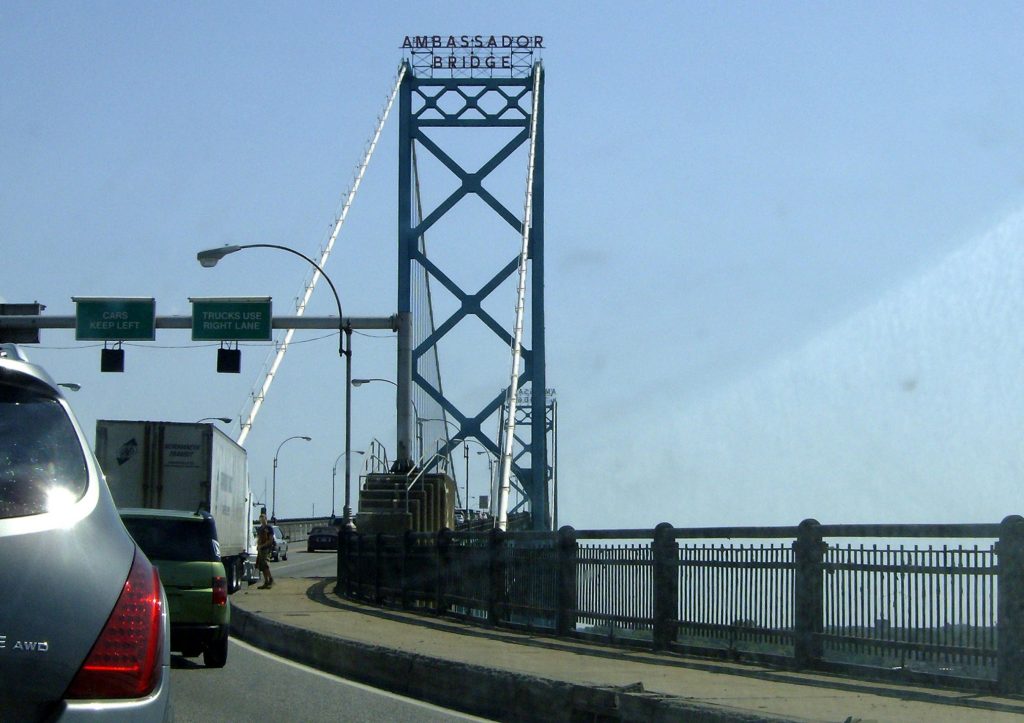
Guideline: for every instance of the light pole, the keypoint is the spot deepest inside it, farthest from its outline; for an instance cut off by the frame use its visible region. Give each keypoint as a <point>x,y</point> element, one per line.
<point>465,448</point>
<point>273,498</point>
<point>334,473</point>
<point>490,476</point>
<point>447,439</point>
<point>226,420</point>
<point>415,409</point>
<point>210,257</point>
<point>465,451</point>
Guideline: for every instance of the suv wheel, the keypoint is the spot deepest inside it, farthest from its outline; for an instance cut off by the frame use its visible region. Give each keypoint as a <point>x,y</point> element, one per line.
<point>216,653</point>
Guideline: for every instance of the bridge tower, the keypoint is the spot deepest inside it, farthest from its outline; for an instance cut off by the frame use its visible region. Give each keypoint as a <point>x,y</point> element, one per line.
<point>446,96</point>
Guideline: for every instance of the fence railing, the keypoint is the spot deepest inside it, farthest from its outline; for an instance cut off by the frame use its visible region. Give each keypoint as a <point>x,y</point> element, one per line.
<point>940,604</point>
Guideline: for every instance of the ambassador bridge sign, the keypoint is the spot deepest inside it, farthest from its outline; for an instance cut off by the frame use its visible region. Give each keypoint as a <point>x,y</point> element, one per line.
<point>473,56</point>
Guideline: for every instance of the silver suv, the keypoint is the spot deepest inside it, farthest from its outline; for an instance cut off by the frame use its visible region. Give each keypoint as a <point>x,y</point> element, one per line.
<point>83,616</point>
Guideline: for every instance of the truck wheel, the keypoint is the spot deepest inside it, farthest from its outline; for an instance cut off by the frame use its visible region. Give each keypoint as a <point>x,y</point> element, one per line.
<point>285,557</point>
<point>216,653</point>
<point>231,573</point>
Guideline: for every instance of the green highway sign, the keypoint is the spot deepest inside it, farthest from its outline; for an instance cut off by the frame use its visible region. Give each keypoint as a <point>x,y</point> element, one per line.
<point>114,319</point>
<point>231,319</point>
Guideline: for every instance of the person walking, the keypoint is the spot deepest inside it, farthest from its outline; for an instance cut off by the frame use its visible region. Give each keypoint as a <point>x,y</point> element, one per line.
<point>264,546</point>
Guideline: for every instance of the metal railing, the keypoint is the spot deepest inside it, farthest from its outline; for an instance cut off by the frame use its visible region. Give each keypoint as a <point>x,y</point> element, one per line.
<point>936,604</point>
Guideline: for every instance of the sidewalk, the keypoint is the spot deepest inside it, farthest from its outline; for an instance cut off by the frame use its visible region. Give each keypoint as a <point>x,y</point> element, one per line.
<point>514,676</point>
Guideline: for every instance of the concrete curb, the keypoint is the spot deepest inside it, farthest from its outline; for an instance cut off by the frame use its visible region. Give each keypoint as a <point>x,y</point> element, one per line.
<point>473,689</point>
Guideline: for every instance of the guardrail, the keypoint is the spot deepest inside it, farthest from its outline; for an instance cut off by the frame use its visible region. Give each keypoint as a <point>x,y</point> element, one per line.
<point>297,528</point>
<point>933,604</point>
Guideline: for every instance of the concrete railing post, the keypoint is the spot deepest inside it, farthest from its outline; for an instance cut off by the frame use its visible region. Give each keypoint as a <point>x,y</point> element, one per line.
<point>497,594</point>
<point>808,593</point>
<point>666,586</point>
<point>444,544</point>
<point>1010,630</point>
<point>567,548</point>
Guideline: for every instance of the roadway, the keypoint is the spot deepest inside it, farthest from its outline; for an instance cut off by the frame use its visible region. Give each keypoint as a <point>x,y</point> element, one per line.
<point>257,685</point>
<point>305,564</point>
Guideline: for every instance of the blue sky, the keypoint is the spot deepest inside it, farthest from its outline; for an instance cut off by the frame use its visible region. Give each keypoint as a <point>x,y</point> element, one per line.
<point>743,201</point>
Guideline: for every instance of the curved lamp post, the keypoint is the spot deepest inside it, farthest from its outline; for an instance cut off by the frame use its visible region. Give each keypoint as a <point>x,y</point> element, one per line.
<point>334,473</point>
<point>415,409</point>
<point>465,451</point>
<point>273,499</point>
<point>210,257</point>
<point>490,477</point>
<point>226,420</point>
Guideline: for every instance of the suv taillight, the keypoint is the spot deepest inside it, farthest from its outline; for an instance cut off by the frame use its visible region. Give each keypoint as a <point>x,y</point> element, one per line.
<point>220,591</point>
<point>125,660</point>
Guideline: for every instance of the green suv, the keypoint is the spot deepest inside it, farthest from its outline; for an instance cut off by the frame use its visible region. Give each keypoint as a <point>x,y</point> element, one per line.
<point>183,546</point>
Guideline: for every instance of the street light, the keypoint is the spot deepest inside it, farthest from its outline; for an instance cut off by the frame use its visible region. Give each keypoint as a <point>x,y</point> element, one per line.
<point>273,499</point>
<point>210,257</point>
<point>226,420</point>
<point>490,477</point>
<point>465,450</point>
<point>415,409</point>
<point>334,473</point>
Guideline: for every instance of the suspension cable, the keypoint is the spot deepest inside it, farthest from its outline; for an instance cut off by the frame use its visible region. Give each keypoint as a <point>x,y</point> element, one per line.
<point>517,340</point>
<point>252,407</point>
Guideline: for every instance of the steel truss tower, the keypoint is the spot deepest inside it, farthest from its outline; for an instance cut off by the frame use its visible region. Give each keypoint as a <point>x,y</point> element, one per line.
<point>457,104</point>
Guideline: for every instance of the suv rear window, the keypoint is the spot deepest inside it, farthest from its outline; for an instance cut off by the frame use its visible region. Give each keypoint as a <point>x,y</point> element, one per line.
<point>173,540</point>
<point>42,466</point>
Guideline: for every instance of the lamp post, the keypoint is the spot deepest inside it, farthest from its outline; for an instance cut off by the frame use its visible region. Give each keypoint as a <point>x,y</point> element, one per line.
<point>415,409</point>
<point>334,473</point>
<point>490,476</point>
<point>273,498</point>
<point>210,257</point>
<point>465,451</point>
<point>450,423</point>
<point>226,420</point>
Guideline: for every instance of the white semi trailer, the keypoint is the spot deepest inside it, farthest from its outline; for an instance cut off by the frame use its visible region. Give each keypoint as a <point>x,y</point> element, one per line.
<point>183,466</point>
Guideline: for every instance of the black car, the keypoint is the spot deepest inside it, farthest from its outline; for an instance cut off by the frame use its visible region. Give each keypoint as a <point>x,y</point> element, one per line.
<point>322,538</point>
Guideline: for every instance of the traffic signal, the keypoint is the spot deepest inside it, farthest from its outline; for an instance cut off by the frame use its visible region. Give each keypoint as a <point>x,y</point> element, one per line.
<point>229,361</point>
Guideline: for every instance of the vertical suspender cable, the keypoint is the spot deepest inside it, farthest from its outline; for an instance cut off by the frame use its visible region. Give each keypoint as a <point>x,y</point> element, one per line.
<point>517,337</point>
<point>257,397</point>
<point>428,299</point>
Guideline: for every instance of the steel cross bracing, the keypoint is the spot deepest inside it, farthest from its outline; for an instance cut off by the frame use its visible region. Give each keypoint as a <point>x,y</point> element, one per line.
<point>459,103</point>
